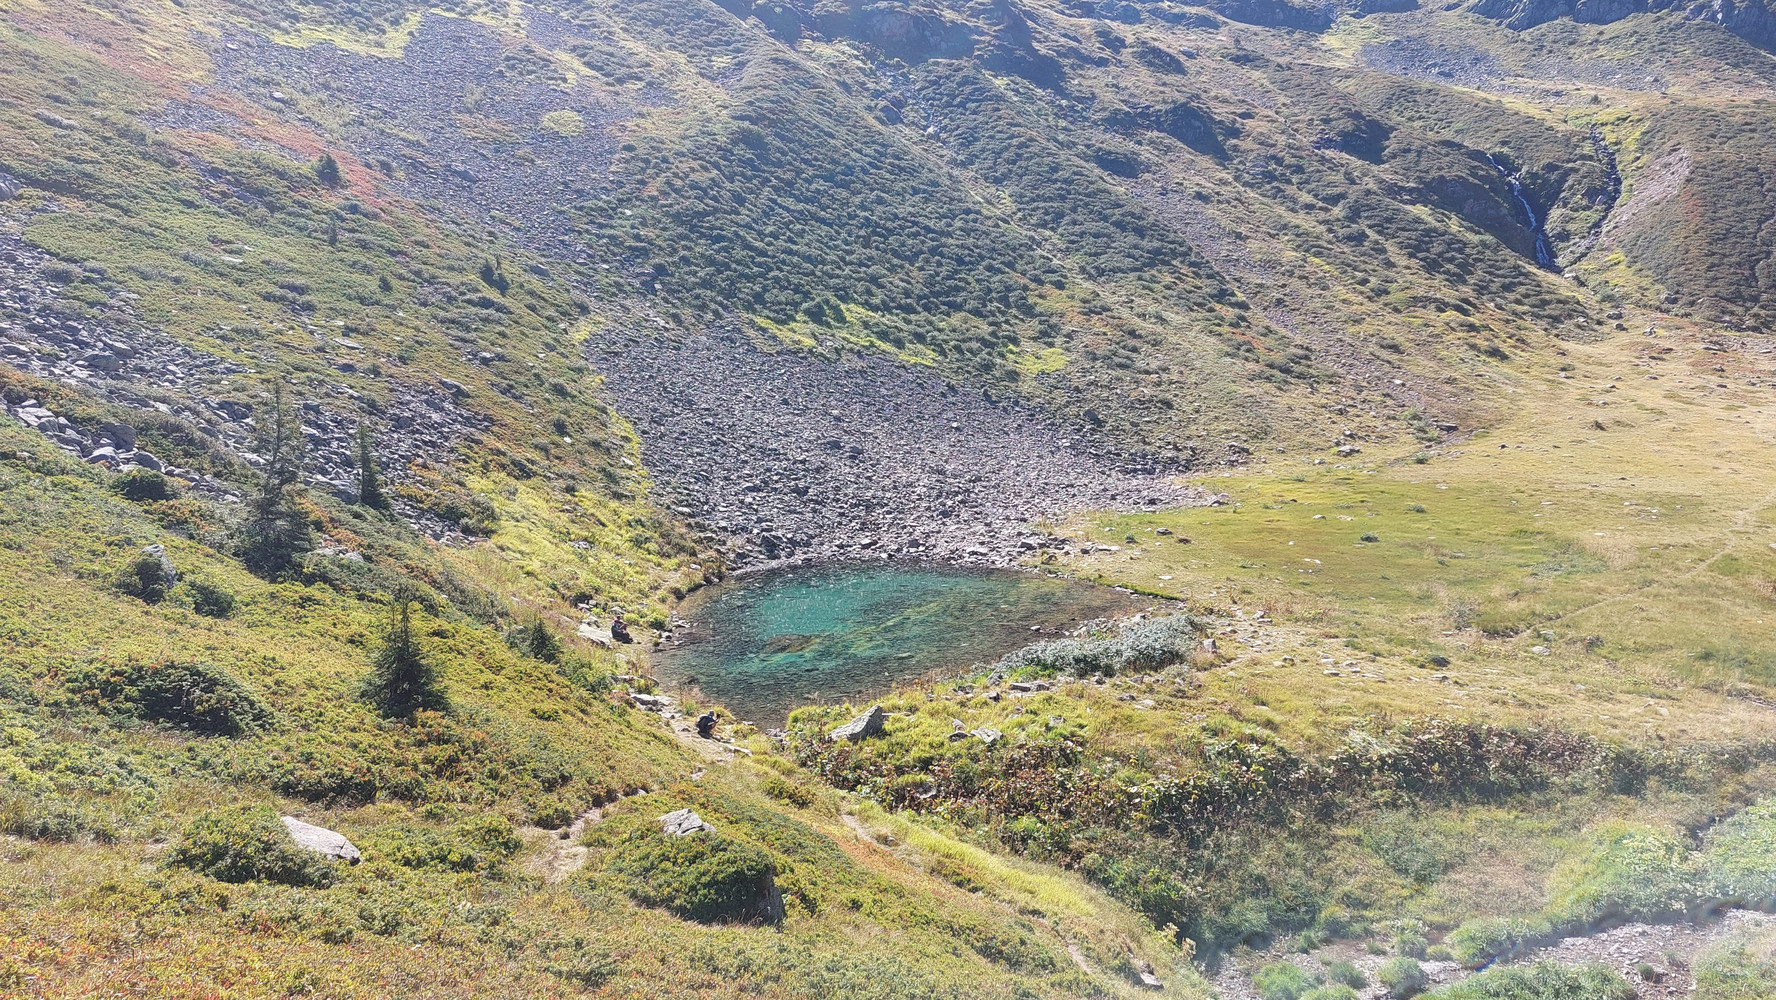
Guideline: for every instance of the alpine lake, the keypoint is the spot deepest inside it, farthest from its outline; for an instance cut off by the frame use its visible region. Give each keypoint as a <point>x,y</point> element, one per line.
<point>764,644</point>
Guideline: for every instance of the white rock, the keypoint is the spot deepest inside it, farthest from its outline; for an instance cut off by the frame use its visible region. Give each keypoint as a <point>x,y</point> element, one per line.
<point>321,840</point>
<point>683,823</point>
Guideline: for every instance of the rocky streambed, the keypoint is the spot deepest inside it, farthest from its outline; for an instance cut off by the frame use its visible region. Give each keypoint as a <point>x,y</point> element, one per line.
<point>1658,959</point>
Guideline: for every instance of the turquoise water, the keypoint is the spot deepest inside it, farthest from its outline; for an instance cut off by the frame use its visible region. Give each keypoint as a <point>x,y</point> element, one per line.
<point>762,645</point>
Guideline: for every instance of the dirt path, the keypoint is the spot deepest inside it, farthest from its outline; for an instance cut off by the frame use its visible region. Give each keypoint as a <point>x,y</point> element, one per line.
<point>557,854</point>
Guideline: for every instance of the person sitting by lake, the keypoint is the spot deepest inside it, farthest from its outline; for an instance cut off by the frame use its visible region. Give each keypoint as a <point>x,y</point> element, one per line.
<point>706,725</point>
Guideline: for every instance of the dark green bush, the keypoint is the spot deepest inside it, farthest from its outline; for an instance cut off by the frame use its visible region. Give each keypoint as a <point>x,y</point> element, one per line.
<point>402,679</point>
<point>248,844</point>
<point>705,876</point>
<point>201,697</point>
<point>537,641</point>
<point>211,600</point>
<point>551,814</point>
<point>148,576</point>
<point>54,818</point>
<point>143,485</point>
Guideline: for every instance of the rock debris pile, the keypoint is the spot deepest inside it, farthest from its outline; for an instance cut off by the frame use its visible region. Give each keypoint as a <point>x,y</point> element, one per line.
<point>799,459</point>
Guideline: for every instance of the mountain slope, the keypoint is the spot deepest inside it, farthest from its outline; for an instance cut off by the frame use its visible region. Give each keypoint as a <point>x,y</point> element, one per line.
<point>613,299</point>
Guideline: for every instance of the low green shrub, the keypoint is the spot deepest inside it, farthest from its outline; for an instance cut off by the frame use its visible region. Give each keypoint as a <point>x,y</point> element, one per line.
<point>1346,973</point>
<point>551,814</point>
<point>201,697</point>
<point>1403,977</point>
<point>1480,941</point>
<point>1331,991</point>
<point>474,845</point>
<point>1741,856</point>
<point>786,791</point>
<point>1544,981</point>
<point>54,818</point>
<point>1147,645</point>
<point>1634,873</point>
<point>1282,981</point>
<point>211,600</point>
<point>1411,944</point>
<point>147,577</point>
<point>706,876</point>
<point>247,844</point>
<point>143,485</point>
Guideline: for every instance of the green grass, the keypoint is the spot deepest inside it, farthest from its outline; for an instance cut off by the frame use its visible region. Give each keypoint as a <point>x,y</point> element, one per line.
<point>1739,968</point>
<point>1542,981</point>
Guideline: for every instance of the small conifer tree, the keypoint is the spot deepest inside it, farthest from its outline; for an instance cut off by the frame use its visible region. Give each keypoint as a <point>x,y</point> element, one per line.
<point>402,679</point>
<point>370,492</point>
<point>327,170</point>
<point>539,642</point>
<point>277,530</point>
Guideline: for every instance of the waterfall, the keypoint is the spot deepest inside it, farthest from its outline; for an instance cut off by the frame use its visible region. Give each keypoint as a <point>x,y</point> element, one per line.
<point>1544,255</point>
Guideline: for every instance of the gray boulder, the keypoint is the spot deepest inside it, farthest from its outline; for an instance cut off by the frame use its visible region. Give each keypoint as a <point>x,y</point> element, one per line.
<point>9,187</point>
<point>121,435</point>
<point>683,823</point>
<point>863,727</point>
<point>321,840</point>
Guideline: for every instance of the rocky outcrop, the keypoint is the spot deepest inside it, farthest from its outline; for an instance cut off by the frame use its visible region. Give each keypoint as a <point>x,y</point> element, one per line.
<point>1011,47</point>
<point>109,352</point>
<point>1274,14</point>
<point>1183,121</point>
<point>1751,20</point>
